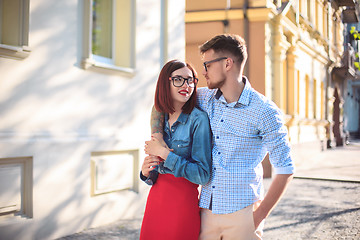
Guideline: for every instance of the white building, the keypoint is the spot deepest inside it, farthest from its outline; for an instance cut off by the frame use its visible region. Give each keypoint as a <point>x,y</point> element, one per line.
<point>77,81</point>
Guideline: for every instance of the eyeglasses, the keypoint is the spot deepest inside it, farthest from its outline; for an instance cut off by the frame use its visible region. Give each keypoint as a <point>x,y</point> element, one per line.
<point>178,81</point>
<point>211,61</point>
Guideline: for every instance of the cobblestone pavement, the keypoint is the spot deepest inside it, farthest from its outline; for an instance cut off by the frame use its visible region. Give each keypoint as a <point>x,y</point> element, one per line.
<point>322,202</point>
<point>316,209</point>
<point>310,209</point>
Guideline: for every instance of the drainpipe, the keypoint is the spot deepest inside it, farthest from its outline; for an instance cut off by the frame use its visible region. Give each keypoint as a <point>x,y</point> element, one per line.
<point>246,33</point>
<point>226,20</point>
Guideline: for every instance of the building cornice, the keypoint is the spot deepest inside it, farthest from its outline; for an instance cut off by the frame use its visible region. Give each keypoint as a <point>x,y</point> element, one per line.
<point>253,14</point>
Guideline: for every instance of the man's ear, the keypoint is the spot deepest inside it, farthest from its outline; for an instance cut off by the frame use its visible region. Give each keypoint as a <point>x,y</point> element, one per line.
<point>229,63</point>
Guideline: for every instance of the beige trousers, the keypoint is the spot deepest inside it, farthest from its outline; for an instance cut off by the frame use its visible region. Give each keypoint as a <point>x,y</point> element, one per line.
<point>238,225</point>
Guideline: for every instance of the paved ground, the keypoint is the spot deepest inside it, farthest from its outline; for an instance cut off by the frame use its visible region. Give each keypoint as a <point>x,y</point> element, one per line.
<point>322,202</point>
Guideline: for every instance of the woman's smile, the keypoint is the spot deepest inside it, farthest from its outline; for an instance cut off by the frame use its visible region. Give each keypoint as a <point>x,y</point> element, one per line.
<point>184,92</point>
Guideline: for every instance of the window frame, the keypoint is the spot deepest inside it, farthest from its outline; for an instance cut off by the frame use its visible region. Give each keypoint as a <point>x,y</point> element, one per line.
<point>21,50</point>
<point>26,190</point>
<point>90,61</point>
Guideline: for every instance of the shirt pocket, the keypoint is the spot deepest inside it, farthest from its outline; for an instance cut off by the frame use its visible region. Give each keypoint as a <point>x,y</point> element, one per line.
<point>182,148</point>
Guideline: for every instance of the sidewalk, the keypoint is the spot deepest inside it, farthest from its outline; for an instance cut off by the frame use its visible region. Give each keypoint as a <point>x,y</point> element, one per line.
<point>339,163</point>
<point>322,201</point>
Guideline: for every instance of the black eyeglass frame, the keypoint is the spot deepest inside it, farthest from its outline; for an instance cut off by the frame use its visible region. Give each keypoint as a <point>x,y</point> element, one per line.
<point>196,80</point>
<point>214,60</point>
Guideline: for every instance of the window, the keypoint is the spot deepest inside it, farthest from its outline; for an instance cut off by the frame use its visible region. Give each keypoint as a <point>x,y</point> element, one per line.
<point>14,28</point>
<point>322,101</point>
<point>16,187</point>
<point>114,171</point>
<point>298,92</point>
<point>319,17</point>
<point>325,21</point>
<point>315,98</point>
<point>109,35</point>
<point>311,11</point>
<point>307,95</point>
<point>101,44</point>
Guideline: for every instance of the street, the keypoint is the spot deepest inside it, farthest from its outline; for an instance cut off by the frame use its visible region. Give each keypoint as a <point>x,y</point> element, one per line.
<point>322,202</point>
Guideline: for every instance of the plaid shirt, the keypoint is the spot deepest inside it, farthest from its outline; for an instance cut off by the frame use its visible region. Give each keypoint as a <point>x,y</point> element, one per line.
<point>243,133</point>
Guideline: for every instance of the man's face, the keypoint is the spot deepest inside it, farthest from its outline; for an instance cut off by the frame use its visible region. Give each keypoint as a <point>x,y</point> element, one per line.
<point>214,69</point>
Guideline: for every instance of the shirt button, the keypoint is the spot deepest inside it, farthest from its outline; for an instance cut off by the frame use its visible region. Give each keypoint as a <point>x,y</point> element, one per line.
<point>217,137</point>
<point>172,130</point>
<point>222,120</point>
<point>214,168</point>
<point>219,152</point>
<point>213,186</point>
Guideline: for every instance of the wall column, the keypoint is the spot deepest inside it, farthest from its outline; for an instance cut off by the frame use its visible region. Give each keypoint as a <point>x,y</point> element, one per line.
<point>280,46</point>
<point>292,80</point>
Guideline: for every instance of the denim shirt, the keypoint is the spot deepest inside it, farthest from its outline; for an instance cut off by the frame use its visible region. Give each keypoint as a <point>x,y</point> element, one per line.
<point>190,138</point>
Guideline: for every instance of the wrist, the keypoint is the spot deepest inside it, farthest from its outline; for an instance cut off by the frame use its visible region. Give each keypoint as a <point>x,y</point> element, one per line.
<point>165,153</point>
<point>145,174</point>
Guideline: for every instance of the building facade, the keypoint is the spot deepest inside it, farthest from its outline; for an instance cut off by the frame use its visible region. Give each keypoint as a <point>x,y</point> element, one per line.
<point>351,90</point>
<point>293,48</point>
<point>77,80</point>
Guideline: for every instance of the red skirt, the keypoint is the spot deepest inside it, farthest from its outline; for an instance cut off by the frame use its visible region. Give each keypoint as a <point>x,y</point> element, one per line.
<point>172,210</point>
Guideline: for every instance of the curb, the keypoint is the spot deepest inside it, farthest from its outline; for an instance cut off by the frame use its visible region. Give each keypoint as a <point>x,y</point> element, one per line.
<point>327,179</point>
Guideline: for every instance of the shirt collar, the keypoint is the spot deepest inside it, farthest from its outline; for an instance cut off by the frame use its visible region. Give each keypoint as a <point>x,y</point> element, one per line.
<point>244,98</point>
<point>181,119</point>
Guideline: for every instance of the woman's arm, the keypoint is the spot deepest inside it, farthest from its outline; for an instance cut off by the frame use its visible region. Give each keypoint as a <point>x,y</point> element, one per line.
<point>195,169</point>
<point>148,174</point>
<point>157,121</point>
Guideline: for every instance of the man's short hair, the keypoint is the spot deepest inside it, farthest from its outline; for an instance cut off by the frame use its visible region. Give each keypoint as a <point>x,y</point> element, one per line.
<point>227,44</point>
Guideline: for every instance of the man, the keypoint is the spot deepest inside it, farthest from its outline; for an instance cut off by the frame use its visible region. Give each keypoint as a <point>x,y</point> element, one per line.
<point>245,126</point>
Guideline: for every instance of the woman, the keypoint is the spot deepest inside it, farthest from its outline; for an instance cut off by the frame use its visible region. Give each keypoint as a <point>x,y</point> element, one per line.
<point>172,210</point>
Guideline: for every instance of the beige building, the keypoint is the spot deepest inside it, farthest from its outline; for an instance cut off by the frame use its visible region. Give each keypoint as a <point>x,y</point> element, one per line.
<point>293,47</point>
<point>77,80</point>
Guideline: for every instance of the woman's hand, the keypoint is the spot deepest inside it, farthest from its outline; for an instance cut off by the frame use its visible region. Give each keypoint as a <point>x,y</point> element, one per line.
<point>157,147</point>
<point>149,164</point>
<point>159,137</point>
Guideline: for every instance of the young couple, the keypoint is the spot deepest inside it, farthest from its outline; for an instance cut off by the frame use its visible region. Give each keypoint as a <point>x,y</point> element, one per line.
<point>225,160</point>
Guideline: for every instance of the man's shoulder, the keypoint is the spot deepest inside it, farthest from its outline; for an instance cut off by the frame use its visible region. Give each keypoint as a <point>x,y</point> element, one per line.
<point>260,99</point>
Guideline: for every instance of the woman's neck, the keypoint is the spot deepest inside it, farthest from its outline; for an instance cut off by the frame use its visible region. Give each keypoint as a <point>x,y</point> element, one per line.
<point>174,116</point>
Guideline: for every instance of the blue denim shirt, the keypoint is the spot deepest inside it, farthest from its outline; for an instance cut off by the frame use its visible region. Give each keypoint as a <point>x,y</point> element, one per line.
<point>190,138</point>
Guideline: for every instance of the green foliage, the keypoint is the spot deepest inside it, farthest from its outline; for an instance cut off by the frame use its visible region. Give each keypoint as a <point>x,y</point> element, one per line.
<point>355,35</point>
<point>357,65</point>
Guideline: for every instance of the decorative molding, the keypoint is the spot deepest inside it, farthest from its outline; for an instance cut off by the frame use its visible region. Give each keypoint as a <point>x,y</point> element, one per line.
<point>14,52</point>
<point>90,64</point>
<point>260,14</point>
<point>214,15</point>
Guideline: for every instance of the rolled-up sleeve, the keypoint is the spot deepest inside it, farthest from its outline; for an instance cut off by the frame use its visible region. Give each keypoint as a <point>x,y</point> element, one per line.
<point>275,138</point>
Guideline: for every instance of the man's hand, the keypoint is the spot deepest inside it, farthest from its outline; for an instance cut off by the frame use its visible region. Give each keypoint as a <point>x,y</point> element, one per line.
<point>149,164</point>
<point>258,218</point>
<point>263,208</point>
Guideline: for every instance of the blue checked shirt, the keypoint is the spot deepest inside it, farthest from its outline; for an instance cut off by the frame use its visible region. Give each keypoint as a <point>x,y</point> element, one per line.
<point>243,133</point>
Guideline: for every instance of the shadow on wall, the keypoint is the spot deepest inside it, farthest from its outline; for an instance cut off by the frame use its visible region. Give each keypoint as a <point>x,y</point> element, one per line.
<point>66,113</point>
